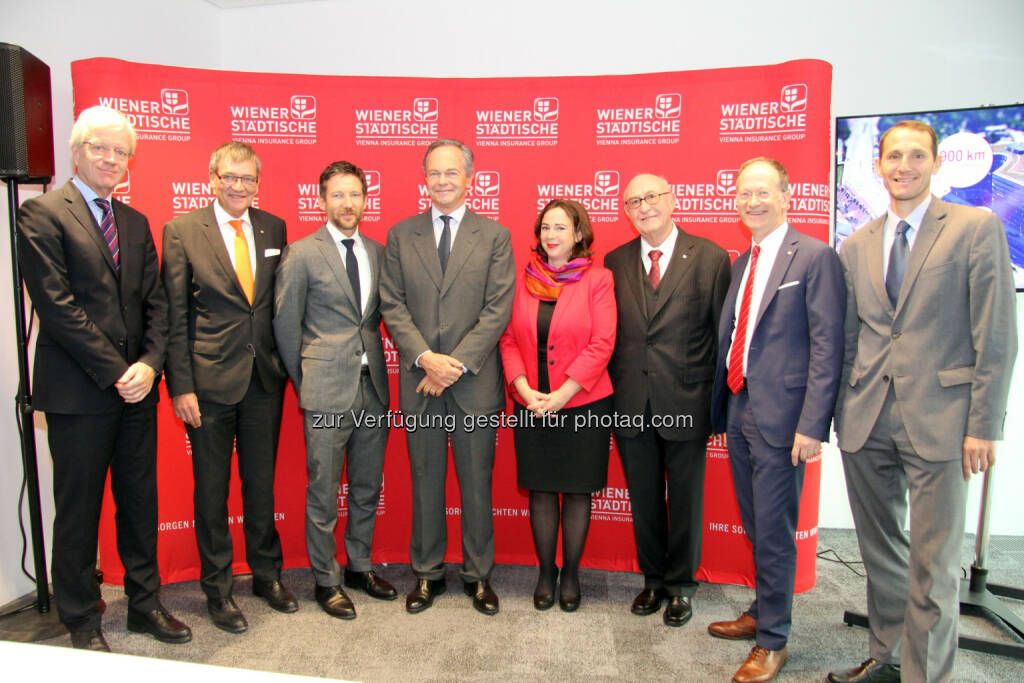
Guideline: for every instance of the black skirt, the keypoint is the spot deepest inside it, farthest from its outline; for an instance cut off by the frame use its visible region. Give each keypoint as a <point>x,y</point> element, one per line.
<point>567,452</point>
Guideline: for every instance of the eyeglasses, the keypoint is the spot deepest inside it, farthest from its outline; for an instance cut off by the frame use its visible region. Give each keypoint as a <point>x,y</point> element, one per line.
<point>651,198</point>
<point>229,179</point>
<point>101,150</point>
<point>747,195</point>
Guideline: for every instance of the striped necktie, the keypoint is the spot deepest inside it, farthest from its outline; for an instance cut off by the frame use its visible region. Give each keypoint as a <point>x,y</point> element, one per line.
<point>109,230</point>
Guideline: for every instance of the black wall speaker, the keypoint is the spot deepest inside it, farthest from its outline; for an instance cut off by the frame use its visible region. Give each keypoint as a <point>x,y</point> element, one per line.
<point>26,120</point>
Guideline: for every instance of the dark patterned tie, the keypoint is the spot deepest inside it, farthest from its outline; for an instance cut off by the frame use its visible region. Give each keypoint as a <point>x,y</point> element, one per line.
<point>444,247</point>
<point>897,262</point>
<point>109,231</point>
<point>352,267</point>
<point>735,377</point>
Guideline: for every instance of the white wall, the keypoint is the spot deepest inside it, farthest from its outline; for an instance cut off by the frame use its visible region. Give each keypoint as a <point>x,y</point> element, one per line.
<point>916,55</point>
<point>184,33</point>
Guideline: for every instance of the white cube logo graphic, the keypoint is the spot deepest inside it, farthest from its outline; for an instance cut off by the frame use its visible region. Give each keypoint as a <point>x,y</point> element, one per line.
<point>174,101</point>
<point>793,97</point>
<point>546,108</point>
<point>725,182</point>
<point>372,183</point>
<point>303,106</point>
<point>487,183</point>
<point>125,186</point>
<point>424,109</point>
<point>668,105</point>
<point>606,183</point>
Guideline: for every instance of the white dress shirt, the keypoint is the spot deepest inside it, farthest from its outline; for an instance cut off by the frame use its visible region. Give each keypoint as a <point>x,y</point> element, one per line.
<point>362,260</point>
<point>770,246</point>
<point>914,220</point>
<point>666,248</point>
<point>228,234</point>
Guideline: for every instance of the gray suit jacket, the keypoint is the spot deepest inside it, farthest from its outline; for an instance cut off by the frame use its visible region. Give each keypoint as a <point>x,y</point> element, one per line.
<point>462,313</point>
<point>948,346</point>
<point>320,333</point>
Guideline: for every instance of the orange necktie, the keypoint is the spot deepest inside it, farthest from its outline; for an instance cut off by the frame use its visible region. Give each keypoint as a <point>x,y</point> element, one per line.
<point>243,266</point>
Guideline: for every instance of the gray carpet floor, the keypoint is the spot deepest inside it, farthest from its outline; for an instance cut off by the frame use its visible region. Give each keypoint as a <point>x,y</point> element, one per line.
<point>602,641</point>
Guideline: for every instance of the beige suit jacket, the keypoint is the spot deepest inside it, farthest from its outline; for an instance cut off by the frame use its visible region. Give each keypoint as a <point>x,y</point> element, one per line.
<point>948,346</point>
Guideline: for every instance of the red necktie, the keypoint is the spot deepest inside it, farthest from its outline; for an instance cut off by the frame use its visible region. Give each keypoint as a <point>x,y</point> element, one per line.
<point>655,273</point>
<point>739,342</point>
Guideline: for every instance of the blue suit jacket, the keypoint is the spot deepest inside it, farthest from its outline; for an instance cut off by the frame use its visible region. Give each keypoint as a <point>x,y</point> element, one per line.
<point>796,349</point>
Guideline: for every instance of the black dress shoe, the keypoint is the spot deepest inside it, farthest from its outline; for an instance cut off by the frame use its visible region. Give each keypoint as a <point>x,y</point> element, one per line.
<point>371,584</point>
<point>334,601</point>
<point>648,601</point>
<point>485,600</point>
<point>90,639</point>
<point>870,670</point>
<point>568,602</point>
<point>159,624</point>
<point>226,615</point>
<point>276,595</point>
<point>422,596</point>
<point>679,610</point>
<point>544,593</point>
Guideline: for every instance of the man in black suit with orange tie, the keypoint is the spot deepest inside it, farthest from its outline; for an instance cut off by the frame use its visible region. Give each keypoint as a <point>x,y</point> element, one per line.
<point>225,379</point>
<point>90,266</point>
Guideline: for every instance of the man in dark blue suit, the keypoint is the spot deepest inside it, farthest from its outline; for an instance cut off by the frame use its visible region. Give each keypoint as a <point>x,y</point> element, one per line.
<point>780,356</point>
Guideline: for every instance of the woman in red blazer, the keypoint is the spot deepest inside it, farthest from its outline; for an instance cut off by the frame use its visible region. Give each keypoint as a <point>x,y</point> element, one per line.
<point>555,353</point>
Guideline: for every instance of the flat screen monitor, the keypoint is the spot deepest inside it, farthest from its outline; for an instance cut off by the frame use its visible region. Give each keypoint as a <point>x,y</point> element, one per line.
<point>982,151</point>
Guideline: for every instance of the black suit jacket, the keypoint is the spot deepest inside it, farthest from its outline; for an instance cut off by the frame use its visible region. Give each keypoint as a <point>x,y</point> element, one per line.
<point>215,334</point>
<point>93,323</point>
<point>666,355</point>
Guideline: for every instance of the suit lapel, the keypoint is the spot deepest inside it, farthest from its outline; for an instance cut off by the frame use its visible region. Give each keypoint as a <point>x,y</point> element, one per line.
<point>634,274</point>
<point>682,255</point>
<point>125,255</point>
<point>931,226</point>
<point>426,248</point>
<point>264,274</point>
<point>329,250</point>
<point>787,252</point>
<point>82,214</point>
<point>373,250</point>
<point>876,256</point>
<point>462,247</point>
<point>211,231</point>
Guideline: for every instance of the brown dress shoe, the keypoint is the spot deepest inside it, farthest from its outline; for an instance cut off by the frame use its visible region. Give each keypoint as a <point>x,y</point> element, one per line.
<point>761,666</point>
<point>743,628</point>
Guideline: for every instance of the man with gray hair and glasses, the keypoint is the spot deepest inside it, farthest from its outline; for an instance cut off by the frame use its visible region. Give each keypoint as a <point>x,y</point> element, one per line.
<point>90,267</point>
<point>446,295</point>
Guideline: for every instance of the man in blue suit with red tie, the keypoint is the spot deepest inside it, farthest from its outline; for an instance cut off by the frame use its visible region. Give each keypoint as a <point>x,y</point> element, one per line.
<point>779,361</point>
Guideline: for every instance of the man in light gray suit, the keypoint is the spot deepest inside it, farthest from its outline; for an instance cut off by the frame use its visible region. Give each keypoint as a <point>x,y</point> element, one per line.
<point>930,343</point>
<point>446,296</point>
<point>327,328</point>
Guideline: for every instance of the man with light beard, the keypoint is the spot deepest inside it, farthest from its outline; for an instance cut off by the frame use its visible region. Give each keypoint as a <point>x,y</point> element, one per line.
<point>327,327</point>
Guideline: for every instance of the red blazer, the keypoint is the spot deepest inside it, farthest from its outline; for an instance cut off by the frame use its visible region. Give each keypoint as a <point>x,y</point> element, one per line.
<point>580,340</point>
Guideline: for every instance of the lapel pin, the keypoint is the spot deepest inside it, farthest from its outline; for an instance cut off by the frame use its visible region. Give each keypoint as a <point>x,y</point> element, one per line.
<point>789,253</point>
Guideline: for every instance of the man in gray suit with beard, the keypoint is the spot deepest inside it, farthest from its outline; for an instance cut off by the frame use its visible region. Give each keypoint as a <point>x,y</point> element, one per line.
<point>446,295</point>
<point>930,343</point>
<point>327,327</point>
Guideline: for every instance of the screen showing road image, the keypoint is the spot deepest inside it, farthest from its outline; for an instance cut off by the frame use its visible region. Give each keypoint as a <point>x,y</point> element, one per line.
<point>982,153</point>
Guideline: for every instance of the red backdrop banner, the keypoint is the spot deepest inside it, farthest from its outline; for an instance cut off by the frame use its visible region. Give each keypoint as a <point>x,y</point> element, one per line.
<point>535,139</point>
